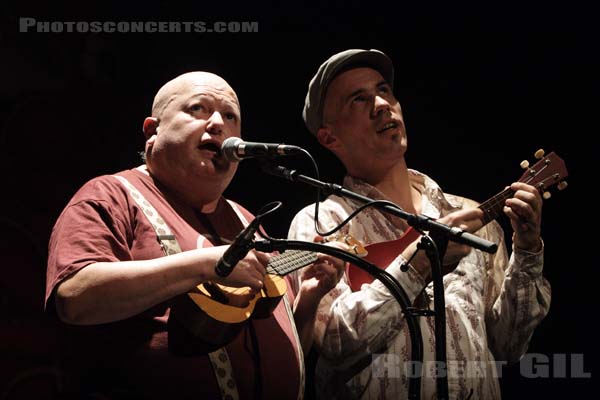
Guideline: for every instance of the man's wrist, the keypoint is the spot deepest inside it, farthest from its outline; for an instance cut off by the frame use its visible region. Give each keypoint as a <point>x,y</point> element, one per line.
<point>535,247</point>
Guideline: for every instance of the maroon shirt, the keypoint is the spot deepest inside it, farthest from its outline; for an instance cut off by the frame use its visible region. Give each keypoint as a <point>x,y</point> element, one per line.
<point>131,358</point>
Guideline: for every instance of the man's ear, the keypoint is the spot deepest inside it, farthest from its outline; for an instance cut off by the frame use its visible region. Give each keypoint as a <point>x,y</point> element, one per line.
<point>150,127</point>
<point>327,139</point>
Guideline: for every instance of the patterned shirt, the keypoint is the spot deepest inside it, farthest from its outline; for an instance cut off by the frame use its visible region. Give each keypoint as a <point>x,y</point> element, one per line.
<point>493,304</point>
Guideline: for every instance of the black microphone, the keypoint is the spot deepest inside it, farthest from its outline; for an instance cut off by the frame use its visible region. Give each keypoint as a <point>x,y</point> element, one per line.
<point>237,250</point>
<point>235,149</point>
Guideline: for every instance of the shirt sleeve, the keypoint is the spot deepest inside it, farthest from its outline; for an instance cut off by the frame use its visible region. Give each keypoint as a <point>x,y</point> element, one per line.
<point>88,230</point>
<point>518,298</point>
<point>349,324</point>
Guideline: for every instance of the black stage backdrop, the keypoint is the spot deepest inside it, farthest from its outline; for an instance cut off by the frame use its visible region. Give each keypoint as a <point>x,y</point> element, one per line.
<point>482,87</point>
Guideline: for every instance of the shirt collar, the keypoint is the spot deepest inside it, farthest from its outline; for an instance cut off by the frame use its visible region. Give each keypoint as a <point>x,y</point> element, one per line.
<point>431,191</point>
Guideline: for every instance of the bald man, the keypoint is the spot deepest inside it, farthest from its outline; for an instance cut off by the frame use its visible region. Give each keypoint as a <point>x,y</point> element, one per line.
<point>115,292</point>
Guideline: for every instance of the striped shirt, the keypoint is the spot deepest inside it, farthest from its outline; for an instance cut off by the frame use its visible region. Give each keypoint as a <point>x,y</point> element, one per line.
<point>493,304</point>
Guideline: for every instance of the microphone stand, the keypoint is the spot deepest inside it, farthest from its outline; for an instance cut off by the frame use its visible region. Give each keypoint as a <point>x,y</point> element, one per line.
<point>434,245</point>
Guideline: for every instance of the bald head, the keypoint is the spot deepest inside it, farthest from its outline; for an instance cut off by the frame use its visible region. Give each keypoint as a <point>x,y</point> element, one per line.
<point>183,83</point>
<point>191,116</point>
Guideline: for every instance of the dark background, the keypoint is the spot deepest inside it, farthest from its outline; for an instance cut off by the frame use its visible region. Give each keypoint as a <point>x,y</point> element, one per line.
<point>482,87</point>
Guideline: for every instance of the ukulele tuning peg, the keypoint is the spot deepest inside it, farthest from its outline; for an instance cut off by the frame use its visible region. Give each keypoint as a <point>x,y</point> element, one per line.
<point>524,164</point>
<point>539,154</point>
<point>546,195</point>
<point>562,185</point>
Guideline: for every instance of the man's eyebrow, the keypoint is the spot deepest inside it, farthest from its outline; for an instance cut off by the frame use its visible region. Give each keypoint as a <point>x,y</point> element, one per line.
<point>355,93</point>
<point>362,90</point>
<point>196,95</point>
<point>231,104</point>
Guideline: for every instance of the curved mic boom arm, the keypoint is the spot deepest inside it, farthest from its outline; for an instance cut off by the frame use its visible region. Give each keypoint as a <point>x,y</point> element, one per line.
<point>416,339</point>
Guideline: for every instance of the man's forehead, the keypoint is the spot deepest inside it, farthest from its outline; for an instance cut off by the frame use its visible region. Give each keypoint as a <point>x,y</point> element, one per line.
<point>190,85</point>
<point>218,92</point>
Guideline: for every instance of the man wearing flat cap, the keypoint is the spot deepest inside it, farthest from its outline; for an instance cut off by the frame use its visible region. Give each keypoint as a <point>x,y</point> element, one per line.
<point>493,301</point>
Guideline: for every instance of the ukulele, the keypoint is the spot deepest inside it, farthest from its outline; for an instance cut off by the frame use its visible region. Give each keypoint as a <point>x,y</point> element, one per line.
<point>223,310</point>
<point>547,172</point>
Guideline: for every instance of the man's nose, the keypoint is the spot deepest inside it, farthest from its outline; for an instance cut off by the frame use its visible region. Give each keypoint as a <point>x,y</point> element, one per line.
<point>380,105</point>
<point>215,123</point>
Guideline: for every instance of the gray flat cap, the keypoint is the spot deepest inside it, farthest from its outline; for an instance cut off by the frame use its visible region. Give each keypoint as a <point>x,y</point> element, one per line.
<point>340,62</point>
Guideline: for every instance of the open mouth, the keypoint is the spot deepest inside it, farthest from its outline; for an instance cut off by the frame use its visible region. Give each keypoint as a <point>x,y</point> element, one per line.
<point>212,147</point>
<point>388,126</point>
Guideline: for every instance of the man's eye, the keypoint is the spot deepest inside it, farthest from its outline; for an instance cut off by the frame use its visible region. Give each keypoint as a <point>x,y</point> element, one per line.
<point>358,99</point>
<point>196,107</point>
<point>231,116</point>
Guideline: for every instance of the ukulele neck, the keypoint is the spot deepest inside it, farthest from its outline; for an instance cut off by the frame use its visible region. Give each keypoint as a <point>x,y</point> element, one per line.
<point>493,207</point>
<point>289,261</point>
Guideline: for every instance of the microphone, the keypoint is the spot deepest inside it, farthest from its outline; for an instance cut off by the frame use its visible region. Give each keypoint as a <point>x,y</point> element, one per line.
<point>235,149</point>
<point>237,250</point>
